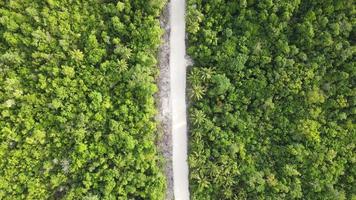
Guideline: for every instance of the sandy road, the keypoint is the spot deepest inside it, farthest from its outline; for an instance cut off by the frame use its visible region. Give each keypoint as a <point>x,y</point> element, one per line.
<point>178,101</point>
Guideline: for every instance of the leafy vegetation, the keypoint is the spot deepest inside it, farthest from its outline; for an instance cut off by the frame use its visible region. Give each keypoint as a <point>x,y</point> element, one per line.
<point>77,80</point>
<point>273,99</point>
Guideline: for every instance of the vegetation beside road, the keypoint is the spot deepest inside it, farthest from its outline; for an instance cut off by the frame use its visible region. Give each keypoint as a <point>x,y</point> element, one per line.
<point>273,99</point>
<point>77,80</point>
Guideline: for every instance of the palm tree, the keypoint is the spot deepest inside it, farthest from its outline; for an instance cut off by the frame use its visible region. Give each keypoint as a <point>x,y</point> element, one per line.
<point>197,92</point>
<point>206,73</point>
<point>194,76</point>
<point>197,117</point>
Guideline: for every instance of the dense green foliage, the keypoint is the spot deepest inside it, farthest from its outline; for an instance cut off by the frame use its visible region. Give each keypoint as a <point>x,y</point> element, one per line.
<point>77,80</point>
<point>273,99</point>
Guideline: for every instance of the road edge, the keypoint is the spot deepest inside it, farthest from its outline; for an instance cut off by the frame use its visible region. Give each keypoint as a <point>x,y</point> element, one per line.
<point>164,115</point>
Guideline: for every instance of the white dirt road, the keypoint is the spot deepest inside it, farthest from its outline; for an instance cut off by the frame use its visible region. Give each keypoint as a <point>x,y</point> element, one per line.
<point>178,67</point>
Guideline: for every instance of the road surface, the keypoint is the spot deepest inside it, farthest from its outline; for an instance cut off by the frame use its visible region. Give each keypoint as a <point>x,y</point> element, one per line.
<point>178,92</point>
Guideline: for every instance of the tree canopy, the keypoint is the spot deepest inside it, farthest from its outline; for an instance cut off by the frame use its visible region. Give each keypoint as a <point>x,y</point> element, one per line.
<point>77,80</point>
<point>276,120</point>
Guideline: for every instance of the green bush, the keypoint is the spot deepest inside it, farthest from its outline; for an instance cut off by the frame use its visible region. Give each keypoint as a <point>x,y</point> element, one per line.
<point>77,80</point>
<point>276,119</point>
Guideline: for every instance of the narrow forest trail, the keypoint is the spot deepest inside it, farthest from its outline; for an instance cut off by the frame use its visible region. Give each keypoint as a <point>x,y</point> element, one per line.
<point>178,100</point>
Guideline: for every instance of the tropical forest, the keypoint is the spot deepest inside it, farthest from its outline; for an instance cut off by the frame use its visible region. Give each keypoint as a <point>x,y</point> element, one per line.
<point>177,100</point>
